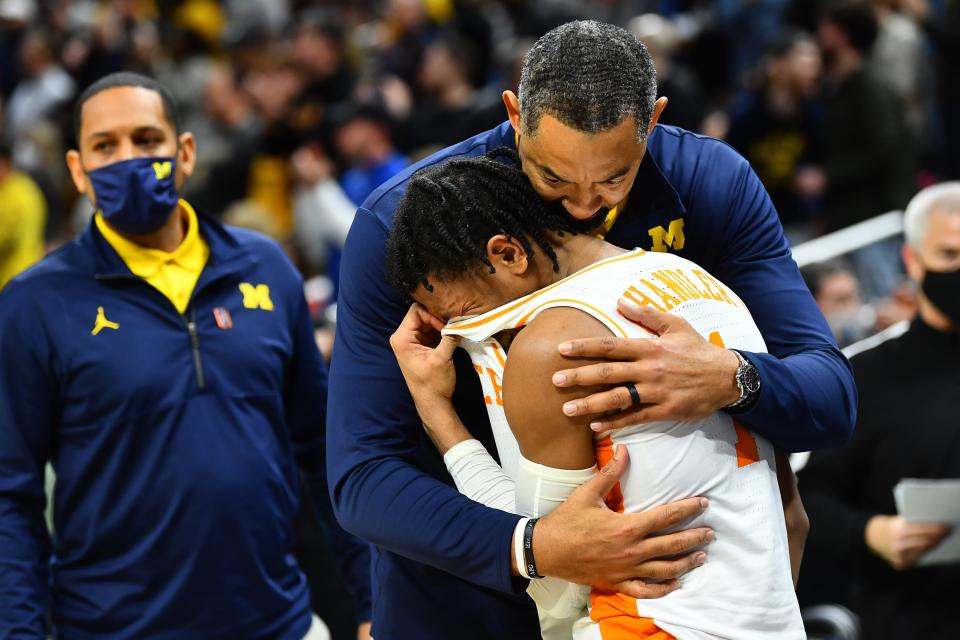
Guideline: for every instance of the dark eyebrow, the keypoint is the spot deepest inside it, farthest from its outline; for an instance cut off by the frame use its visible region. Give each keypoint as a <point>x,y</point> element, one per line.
<point>137,131</point>
<point>551,173</point>
<point>619,173</point>
<point>149,129</point>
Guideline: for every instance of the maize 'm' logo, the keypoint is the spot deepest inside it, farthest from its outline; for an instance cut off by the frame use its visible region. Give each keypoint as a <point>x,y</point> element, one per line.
<point>256,296</point>
<point>672,237</point>
<point>162,169</point>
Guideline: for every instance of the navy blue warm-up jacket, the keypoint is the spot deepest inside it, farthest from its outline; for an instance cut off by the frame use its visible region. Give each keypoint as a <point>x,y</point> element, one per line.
<point>173,437</point>
<point>442,569</point>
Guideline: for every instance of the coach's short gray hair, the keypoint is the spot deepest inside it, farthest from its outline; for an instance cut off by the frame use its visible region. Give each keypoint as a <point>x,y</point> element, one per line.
<point>589,75</point>
<point>944,196</point>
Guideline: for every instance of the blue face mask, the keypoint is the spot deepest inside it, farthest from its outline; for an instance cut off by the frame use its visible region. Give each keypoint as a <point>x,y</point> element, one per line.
<point>136,196</point>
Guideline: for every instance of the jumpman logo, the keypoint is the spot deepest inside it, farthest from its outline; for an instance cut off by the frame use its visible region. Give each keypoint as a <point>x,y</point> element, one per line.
<point>102,323</point>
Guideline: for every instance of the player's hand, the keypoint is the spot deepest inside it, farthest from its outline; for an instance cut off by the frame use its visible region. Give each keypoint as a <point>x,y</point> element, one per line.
<point>583,541</point>
<point>899,542</point>
<point>679,376</point>
<point>426,360</point>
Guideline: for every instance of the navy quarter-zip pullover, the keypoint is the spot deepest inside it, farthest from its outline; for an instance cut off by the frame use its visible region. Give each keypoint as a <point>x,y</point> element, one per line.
<point>173,437</point>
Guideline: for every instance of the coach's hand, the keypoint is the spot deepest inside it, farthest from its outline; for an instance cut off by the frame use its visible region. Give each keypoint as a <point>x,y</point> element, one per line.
<point>679,376</point>
<point>583,541</point>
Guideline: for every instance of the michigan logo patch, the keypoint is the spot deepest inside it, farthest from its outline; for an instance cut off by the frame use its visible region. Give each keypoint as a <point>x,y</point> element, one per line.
<point>256,296</point>
<point>162,169</point>
<point>671,237</point>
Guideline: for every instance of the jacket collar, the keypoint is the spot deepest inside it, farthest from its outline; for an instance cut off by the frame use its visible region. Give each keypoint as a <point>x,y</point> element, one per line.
<point>227,255</point>
<point>653,200</point>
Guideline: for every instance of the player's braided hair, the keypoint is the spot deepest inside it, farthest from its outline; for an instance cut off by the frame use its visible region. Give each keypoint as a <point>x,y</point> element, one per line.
<point>590,76</point>
<point>450,211</point>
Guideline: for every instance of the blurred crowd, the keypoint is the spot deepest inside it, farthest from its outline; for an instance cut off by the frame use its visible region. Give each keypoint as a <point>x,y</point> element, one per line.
<point>302,108</point>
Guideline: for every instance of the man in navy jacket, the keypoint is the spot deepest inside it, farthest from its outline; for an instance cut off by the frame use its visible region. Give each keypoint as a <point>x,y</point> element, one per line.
<point>166,366</point>
<point>585,128</point>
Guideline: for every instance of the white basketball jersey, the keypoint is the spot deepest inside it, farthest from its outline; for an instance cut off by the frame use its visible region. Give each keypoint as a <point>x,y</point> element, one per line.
<point>744,591</point>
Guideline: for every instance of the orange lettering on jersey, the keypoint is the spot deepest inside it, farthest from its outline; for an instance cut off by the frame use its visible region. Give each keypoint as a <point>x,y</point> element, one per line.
<point>747,452</point>
<point>668,300</point>
<point>683,276</point>
<point>480,371</point>
<point>706,283</point>
<point>746,447</point>
<point>722,289</point>
<point>617,619</point>
<point>497,389</point>
<point>616,614</point>
<point>674,286</point>
<point>677,277</point>
<point>641,299</point>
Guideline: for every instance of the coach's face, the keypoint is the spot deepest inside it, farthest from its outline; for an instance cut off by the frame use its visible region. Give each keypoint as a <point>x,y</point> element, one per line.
<point>123,123</point>
<point>588,173</point>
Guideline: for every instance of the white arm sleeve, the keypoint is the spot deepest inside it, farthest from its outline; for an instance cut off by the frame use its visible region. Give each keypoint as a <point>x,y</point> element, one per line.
<point>540,490</point>
<point>479,477</point>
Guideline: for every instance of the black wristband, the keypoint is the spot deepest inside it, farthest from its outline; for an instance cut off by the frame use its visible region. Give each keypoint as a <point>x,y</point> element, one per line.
<point>528,560</point>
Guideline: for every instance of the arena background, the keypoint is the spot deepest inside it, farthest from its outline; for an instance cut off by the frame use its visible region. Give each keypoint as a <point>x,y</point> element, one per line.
<point>302,108</point>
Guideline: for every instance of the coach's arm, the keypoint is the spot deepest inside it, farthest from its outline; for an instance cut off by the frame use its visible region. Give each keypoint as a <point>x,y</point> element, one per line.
<point>808,399</point>
<point>28,405</point>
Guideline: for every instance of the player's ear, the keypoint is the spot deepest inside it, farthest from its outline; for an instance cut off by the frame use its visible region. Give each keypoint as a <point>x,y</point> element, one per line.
<point>507,253</point>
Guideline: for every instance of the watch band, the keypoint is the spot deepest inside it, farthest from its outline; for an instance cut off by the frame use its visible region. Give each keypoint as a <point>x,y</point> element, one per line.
<point>747,396</point>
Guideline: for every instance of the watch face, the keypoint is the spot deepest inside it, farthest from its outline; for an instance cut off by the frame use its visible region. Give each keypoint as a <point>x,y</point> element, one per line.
<point>751,380</point>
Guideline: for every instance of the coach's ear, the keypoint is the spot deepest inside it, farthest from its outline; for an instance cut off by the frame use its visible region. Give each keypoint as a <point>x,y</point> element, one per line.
<point>512,104</point>
<point>507,254</point>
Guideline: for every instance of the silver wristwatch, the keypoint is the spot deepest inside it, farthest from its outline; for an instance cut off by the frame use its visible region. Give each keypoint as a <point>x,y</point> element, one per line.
<point>748,381</point>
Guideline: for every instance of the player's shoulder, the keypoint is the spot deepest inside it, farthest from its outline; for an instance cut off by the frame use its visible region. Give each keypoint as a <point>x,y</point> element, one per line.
<point>536,346</point>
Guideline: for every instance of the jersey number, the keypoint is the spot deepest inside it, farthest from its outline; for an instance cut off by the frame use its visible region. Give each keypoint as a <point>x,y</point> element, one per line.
<point>747,452</point>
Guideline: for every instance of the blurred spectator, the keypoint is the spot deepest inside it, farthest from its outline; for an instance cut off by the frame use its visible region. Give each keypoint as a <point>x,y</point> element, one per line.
<point>15,16</point>
<point>322,211</point>
<point>686,108</point>
<point>778,125</point>
<point>864,123</point>
<point>45,85</point>
<point>407,32</point>
<point>837,293</point>
<point>452,108</point>
<point>231,139</point>
<point>318,51</point>
<point>362,136</point>
<point>867,172</point>
<point>899,59</point>
<point>942,27</point>
<point>906,428</point>
<point>23,214</point>
<point>749,27</point>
